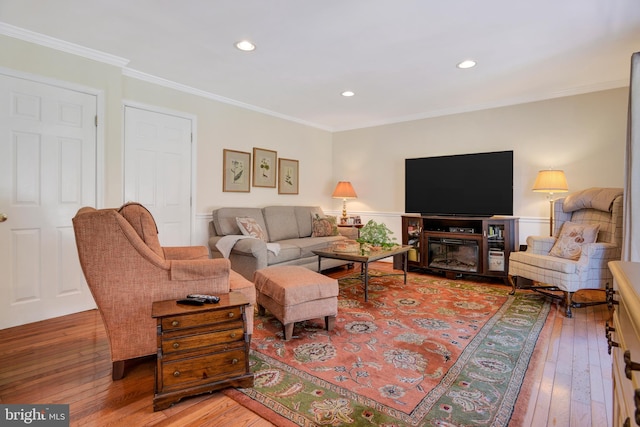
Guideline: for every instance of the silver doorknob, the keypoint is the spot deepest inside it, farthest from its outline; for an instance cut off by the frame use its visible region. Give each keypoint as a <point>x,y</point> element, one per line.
<point>3,217</point>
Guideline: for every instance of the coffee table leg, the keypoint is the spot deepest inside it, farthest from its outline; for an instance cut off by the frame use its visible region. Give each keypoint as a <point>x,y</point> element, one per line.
<point>365,267</point>
<point>404,262</point>
<point>319,260</point>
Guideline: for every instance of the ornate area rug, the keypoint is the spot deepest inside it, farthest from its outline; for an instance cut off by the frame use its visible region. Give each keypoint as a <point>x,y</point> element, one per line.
<point>431,352</point>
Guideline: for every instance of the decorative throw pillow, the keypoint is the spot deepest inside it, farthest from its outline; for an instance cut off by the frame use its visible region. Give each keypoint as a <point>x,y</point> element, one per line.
<point>249,227</point>
<point>327,226</point>
<point>572,237</point>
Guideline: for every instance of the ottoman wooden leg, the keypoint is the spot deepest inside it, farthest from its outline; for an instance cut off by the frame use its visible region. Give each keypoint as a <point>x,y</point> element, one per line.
<point>288,331</point>
<point>330,321</point>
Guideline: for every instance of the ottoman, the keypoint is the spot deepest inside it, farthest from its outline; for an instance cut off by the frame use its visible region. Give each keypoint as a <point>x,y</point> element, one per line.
<point>293,294</point>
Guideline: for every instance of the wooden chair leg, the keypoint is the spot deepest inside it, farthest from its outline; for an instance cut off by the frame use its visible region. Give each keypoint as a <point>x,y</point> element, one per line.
<point>117,370</point>
<point>288,331</point>
<point>567,301</point>
<point>330,322</point>
<point>512,280</point>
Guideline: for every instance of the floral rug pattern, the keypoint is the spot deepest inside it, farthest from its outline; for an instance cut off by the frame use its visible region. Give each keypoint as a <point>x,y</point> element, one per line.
<point>431,352</point>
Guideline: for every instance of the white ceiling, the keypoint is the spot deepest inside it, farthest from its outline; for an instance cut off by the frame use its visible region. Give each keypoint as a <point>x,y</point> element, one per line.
<point>399,56</point>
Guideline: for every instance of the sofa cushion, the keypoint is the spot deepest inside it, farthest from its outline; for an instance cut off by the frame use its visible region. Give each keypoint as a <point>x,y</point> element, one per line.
<point>327,226</point>
<point>224,219</point>
<point>281,222</point>
<point>249,227</point>
<point>304,216</point>
<point>534,262</point>
<point>572,237</point>
<point>287,252</point>
<point>310,244</point>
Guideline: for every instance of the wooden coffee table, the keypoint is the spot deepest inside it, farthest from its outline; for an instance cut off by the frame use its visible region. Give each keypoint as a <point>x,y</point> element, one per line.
<point>364,261</point>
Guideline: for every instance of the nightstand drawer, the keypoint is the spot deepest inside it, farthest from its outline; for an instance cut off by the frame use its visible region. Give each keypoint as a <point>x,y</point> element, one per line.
<point>204,369</point>
<point>200,319</point>
<point>190,342</point>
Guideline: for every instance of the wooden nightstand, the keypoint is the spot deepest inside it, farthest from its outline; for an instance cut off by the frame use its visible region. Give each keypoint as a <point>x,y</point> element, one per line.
<point>200,348</point>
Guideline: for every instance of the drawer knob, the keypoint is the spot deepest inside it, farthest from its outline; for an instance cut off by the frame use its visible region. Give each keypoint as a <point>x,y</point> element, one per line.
<point>611,343</point>
<point>176,345</point>
<point>176,374</point>
<point>234,361</point>
<point>175,323</point>
<point>608,328</point>
<point>231,314</point>
<point>610,293</point>
<point>629,365</point>
<point>233,335</point>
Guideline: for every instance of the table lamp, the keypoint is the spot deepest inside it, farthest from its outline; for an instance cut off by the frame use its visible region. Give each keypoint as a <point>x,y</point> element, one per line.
<point>344,190</point>
<point>550,181</point>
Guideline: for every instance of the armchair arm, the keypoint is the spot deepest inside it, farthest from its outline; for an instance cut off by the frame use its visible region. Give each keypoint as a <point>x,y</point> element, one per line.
<point>540,245</point>
<point>199,269</point>
<point>185,252</point>
<point>598,251</point>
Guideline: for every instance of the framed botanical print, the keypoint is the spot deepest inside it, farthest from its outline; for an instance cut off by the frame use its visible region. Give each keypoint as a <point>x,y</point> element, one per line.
<point>287,176</point>
<point>264,168</point>
<point>236,171</point>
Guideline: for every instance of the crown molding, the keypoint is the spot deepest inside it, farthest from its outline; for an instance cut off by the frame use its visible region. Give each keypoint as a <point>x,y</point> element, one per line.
<point>96,55</point>
<point>149,78</point>
<point>61,45</point>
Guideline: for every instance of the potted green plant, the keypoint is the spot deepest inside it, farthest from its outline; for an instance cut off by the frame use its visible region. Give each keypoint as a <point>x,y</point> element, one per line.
<point>374,236</point>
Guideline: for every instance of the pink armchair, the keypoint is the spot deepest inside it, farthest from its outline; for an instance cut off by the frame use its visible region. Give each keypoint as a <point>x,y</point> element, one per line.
<point>127,269</point>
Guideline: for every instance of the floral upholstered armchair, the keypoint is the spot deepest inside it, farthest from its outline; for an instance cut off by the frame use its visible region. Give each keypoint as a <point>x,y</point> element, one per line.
<point>127,269</point>
<point>587,235</point>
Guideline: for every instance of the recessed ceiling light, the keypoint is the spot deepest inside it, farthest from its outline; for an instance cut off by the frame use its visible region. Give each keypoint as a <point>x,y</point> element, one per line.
<point>469,63</point>
<point>245,46</point>
<point>348,93</point>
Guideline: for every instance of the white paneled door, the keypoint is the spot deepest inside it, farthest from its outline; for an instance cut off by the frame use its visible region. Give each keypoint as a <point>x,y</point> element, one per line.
<point>47,172</point>
<point>158,153</point>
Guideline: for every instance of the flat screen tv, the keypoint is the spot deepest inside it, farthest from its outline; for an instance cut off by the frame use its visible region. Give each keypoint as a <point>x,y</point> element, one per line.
<point>479,184</point>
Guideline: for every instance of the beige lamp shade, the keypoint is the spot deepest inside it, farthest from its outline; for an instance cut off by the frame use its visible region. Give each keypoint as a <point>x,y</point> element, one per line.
<point>551,181</point>
<point>344,190</point>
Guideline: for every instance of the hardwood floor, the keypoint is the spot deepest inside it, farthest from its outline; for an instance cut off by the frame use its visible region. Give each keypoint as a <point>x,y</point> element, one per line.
<point>66,360</point>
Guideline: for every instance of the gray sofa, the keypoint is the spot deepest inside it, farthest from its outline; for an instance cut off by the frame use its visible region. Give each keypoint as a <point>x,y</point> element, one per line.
<point>290,227</point>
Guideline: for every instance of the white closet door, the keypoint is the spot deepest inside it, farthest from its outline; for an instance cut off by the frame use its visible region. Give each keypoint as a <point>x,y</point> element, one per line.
<point>158,170</point>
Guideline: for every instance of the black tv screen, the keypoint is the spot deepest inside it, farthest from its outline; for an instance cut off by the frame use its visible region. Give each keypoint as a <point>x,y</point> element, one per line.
<point>479,184</point>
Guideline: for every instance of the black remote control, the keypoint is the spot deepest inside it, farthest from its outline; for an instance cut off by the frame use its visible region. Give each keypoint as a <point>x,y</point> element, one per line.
<point>209,299</point>
<point>191,301</point>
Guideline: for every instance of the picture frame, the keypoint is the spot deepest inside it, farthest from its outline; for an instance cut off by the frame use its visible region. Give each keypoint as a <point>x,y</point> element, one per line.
<point>288,173</point>
<point>264,167</point>
<point>236,171</point>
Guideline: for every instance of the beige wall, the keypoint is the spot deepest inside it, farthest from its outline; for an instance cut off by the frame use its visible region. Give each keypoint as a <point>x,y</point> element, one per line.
<point>221,126</point>
<point>584,135</point>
